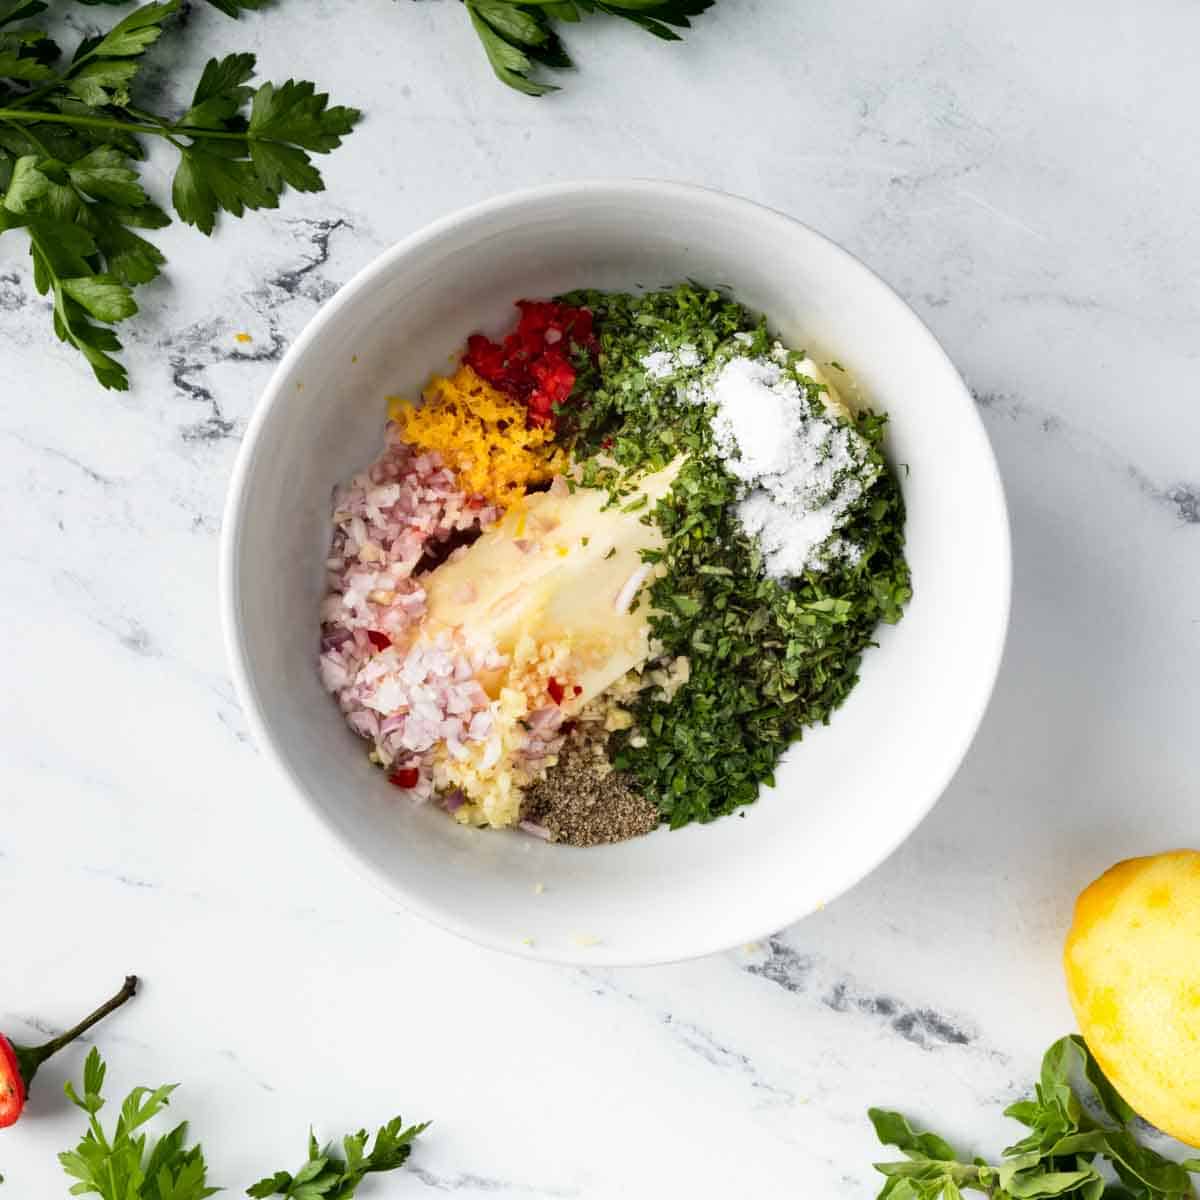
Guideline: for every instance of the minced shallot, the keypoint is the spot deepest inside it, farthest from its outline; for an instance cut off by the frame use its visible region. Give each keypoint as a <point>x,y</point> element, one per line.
<point>406,697</point>
<point>629,589</point>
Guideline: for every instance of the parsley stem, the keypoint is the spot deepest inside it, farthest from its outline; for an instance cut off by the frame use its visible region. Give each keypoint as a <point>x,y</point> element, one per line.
<point>154,119</point>
<point>22,115</point>
<point>128,989</point>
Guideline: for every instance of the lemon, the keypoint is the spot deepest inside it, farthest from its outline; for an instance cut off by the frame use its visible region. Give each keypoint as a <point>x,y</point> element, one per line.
<point>1132,961</point>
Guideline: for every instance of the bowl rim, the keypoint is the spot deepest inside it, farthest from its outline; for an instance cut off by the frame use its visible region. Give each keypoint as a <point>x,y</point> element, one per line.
<point>624,188</point>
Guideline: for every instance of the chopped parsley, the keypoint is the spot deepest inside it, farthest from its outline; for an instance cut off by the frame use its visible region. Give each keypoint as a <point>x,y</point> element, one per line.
<point>768,658</point>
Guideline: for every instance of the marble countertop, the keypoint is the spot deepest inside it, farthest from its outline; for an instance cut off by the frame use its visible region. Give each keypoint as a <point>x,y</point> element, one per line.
<point>1023,174</point>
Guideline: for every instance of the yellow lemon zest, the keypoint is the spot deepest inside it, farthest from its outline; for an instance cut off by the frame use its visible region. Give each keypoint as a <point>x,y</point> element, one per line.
<point>482,434</point>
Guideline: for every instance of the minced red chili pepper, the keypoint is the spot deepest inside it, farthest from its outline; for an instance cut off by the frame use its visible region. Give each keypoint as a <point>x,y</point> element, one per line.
<point>380,641</point>
<point>533,363</point>
<point>555,689</point>
<point>405,777</point>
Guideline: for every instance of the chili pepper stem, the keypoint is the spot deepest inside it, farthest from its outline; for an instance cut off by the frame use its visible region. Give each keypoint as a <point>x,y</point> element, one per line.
<point>32,1057</point>
<point>128,990</point>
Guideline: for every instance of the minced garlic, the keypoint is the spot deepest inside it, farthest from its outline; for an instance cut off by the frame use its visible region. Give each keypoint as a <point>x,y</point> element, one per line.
<point>488,773</point>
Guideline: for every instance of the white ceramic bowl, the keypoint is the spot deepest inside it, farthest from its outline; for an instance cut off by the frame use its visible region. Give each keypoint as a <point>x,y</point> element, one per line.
<point>846,797</point>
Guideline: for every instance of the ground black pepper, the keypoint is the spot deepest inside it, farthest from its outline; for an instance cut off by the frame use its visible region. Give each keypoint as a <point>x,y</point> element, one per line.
<point>582,801</point>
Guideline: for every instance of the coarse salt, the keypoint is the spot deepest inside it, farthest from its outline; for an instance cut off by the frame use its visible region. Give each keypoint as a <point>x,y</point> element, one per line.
<point>662,364</point>
<point>659,364</point>
<point>803,469</point>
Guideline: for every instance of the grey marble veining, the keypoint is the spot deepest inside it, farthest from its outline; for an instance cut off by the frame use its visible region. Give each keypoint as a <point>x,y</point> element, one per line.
<point>1024,175</point>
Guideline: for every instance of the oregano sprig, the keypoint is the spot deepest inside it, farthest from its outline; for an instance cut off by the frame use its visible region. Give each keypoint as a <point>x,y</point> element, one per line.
<point>1076,1122</point>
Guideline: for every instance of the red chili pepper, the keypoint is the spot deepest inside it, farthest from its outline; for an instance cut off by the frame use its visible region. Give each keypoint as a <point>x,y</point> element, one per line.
<point>380,641</point>
<point>583,331</point>
<point>405,777</point>
<point>555,377</point>
<point>484,357</point>
<point>533,363</point>
<point>555,689</point>
<point>578,690</point>
<point>19,1064</point>
<point>12,1083</point>
<point>536,316</point>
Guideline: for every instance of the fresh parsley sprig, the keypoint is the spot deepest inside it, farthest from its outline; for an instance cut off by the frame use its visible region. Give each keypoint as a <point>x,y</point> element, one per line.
<point>70,139</point>
<point>330,1176</point>
<point>518,36</point>
<point>1076,1120</point>
<point>128,1164</point>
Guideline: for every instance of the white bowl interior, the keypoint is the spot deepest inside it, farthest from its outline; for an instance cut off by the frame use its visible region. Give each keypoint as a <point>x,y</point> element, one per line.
<point>845,797</point>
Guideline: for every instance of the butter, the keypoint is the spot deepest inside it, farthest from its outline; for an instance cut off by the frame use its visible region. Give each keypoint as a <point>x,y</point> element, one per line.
<point>555,571</point>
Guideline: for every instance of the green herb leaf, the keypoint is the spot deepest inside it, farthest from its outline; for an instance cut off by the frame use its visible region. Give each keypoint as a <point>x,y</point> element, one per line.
<point>208,181</point>
<point>330,1176</point>
<point>102,297</point>
<point>19,10</point>
<point>70,142</point>
<point>221,92</point>
<point>510,60</point>
<point>138,31</point>
<point>294,113</point>
<point>234,8</point>
<point>127,1163</point>
<point>1059,1156</point>
<point>518,35</point>
<point>231,8</point>
<point>232,165</point>
<point>893,1129</point>
<point>20,58</point>
<point>104,174</point>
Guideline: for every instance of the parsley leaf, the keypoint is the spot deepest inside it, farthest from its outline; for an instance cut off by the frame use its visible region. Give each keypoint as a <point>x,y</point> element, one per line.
<point>330,1176</point>
<point>518,36</point>
<point>1075,1117</point>
<point>127,1164</point>
<point>70,145</point>
<point>231,165</point>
